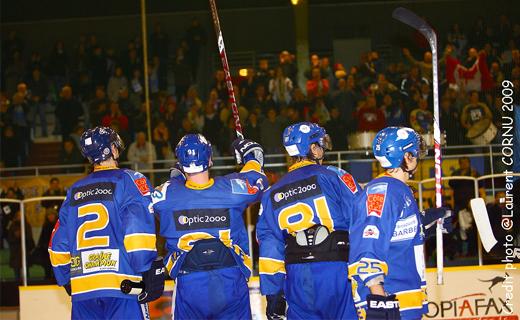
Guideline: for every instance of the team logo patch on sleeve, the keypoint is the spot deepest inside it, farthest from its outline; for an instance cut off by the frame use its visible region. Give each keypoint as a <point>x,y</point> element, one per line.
<point>348,180</point>
<point>240,186</point>
<point>376,195</point>
<point>371,231</point>
<point>142,186</point>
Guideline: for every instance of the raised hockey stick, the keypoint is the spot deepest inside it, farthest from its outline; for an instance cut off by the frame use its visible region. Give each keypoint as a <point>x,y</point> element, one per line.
<point>480,214</point>
<point>225,66</point>
<point>408,17</point>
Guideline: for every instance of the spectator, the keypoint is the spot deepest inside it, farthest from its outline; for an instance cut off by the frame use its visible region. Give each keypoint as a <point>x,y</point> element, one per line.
<point>41,250</point>
<point>412,82</point>
<point>450,123</point>
<point>369,68</point>
<point>186,128</point>
<point>316,86</point>
<point>475,111</point>
<point>248,86</point>
<point>463,190</point>
<point>220,85</point>
<point>182,73</point>
<point>425,66</point>
<point>421,118</point>
<point>369,117</point>
<point>252,128</point>
<point>261,102</point>
<point>457,38</point>
<point>126,105</point>
<point>467,232</point>
<point>14,72</point>
<point>141,152</point>
<point>196,39</point>
<point>394,114</point>
<point>262,73</point>
<point>116,82</point>
<point>293,116</point>
<point>161,137</point>
<point>280,88</point>
<point>159,43</point>
<point>70,155</point>
<point>271,130</point>
<point>15,249</point>
<point>115,114</point>
<point>314,63</point>
<point>68,111</point>
<point>196,117</point>
<point>136,87</point>
<point>212,124</point>
<point>59,65</point>
<point>496,74</point>
<point>345,99</point>
<point>337,130</point>
<point>19,112</point>
<point>10,147</point>
<point>131,62</point>
<point>38,87</point>
<point>54,190</point>
<point>98,106</point>
<point>288,67</point>
<point>98,67</point>
<point>8,211</point>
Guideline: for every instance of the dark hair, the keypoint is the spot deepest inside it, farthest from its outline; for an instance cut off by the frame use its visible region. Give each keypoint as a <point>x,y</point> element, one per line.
<point>54,179</point>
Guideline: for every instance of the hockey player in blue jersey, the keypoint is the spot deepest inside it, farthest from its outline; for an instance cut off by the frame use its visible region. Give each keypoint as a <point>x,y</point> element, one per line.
<point>386,241</point>
<point>106,234</point>
<point>302,233</point>
<point>201,220</point>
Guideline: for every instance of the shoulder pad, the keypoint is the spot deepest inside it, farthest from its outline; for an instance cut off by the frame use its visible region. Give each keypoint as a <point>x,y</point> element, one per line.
<point>336,170</point>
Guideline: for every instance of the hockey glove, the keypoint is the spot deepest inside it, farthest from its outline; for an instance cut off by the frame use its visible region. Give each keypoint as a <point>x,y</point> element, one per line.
<point>176,173</point>
<point>429,219</point>
<point>68,288</point>
<point>275,306</point>
<point>153,280</point>
<point>382,308</point>
<point>246,150</point>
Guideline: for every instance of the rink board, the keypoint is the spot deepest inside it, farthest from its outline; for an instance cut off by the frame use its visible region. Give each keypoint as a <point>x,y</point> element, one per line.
<point>466,294</point>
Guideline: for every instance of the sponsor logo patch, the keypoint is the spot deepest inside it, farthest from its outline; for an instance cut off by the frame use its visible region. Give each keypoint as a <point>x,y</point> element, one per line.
<point>100,260</point>
<point>93,192</point>
<point>142,186</point>
<point>405,229</point>
<point>201,219</point>
<point>371,231</point>
<point>376,195</point>
<point>296,191</point>
<point>348,180</point>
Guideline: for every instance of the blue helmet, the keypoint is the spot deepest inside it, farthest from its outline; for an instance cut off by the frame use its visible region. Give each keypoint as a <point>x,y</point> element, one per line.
<point>297,138</point>
<point>392,143</point>
<point>194,153</point>
<point>96,144</point>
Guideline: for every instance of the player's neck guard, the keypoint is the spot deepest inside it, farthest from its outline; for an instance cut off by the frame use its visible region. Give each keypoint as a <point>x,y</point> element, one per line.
<point>199,186</point>
<point>300,164</point>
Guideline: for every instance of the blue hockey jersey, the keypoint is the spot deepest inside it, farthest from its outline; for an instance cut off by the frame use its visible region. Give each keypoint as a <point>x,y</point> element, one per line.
<point>386,244</point>
<point>105,234</point>
<point>309,194</point>
<point>189,212</point>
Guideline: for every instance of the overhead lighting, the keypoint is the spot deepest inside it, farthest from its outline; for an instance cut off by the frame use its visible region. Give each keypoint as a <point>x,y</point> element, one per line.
<point>295,2</point>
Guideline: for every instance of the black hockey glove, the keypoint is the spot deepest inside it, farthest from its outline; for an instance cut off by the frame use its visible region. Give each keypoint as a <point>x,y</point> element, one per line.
<point>429,219</point>
<point>275,306</point>
<point>245,150</point>
<point>153,280</point>
<point>177,173</point>
<point>382,308</point>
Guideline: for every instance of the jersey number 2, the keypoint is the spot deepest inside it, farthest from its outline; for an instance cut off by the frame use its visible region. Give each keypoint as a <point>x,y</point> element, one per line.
<point>99,223</point>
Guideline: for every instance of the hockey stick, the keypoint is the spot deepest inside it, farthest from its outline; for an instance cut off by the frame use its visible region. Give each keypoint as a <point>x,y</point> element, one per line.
<point>408,17</point>
<point>225,66</point>
<point>480,214</point>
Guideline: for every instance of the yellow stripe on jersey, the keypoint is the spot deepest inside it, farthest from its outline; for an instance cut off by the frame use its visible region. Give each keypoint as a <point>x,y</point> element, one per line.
<point>271,266</point>
<point>199,186</point>
<point>100,281</point>
<point>171,262</point>
<point>252,165</point>
<point>59,258</point>
<point>301,164</point>
<point>411,299</point>
<point>140,241</point>
<point>245,257</point>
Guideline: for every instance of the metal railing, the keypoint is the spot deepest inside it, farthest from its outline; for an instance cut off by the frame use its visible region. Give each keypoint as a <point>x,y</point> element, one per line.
<point>420,186</point>
<point>337,158</point>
